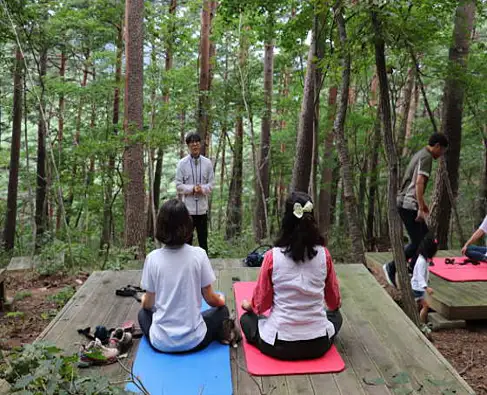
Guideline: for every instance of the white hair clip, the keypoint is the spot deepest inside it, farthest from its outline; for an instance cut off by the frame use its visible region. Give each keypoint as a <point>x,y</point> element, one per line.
<point>299,210</point>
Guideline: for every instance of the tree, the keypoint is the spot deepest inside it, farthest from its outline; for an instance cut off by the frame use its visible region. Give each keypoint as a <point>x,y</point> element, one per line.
<point>13,180</point>
<point>133,125</point>
<point>395,223</point>
<point>41,190</point>
<point>205,78</point>
<point>262,184</point>
<point>452,114</point>
<point>304,145</point>
<point>340,138</point>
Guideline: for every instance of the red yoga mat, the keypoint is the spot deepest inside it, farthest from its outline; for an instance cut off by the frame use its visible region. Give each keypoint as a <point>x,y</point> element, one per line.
<point>259,364</point>
<point>457,272</point>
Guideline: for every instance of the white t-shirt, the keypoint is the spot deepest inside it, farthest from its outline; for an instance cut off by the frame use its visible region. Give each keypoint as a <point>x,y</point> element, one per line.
<point>176,275</point>
<point>483,225</point>
<point>420,274</point>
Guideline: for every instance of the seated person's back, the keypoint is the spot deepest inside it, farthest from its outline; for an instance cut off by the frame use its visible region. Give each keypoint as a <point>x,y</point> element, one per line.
<point>296,279</point>
<point>175,278</point>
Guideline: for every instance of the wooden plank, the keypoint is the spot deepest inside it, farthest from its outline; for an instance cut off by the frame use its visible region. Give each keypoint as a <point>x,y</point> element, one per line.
<point>414,354</point>
<point>453,300</point>
<point>359,364</point>
<point>243,383</point>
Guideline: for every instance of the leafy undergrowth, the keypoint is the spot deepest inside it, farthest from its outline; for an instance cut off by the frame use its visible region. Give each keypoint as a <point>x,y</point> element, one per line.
<point>42,369</point>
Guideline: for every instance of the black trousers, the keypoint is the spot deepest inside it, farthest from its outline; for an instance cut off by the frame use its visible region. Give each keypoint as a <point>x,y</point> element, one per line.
<point>213,318</point>
<point>417,230</point>
<point>290,350</point>
<point>200,222</point>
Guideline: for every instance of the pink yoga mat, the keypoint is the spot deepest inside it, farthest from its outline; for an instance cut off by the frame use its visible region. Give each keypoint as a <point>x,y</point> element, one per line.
<point>458,273</point>
<point>261,365</point>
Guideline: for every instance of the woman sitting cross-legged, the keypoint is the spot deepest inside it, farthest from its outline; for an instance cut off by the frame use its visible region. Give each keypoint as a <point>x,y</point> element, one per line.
<point>175,278</point>
<point>297,277</point>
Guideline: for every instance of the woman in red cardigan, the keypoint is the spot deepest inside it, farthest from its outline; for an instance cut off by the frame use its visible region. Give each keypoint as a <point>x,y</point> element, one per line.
<point>297,282</point>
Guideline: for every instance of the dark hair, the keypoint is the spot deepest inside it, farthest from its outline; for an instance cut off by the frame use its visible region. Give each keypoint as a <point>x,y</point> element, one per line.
<point>438,138</point>
<point>299,236</point>
<point>192,137</point>
<point>174,224</point>
<point>428,246</point>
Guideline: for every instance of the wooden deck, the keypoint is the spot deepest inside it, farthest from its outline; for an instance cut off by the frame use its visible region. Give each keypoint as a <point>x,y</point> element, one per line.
<point>383,351</point>
<point>453,300</point>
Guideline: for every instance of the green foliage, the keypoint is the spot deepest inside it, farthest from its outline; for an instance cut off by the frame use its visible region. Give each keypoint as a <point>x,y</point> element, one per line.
<point>22,295</point>
<point>62,297</point>
<point>40,368</point>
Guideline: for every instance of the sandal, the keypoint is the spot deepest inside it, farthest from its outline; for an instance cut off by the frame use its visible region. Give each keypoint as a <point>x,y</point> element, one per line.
<point>127,291</point>
<point>449,261</point>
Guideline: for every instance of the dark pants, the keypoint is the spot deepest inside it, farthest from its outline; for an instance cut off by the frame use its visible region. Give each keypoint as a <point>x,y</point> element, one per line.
<point>477,253</point>
<point>417,230</point>
<point>200,222</point>
<point>213,318</point>
<point>289,350</point>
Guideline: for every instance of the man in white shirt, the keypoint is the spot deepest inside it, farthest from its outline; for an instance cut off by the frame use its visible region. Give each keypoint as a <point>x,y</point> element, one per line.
<point>477,253</point>
<point>194,182</point>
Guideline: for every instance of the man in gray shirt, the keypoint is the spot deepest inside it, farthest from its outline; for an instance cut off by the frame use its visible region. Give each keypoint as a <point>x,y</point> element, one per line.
<point>411,205</point>
<point>194,182</point>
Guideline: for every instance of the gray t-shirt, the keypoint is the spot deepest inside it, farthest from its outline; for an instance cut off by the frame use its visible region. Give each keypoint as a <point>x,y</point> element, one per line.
<point>421,163</point>
<point>176,276</point>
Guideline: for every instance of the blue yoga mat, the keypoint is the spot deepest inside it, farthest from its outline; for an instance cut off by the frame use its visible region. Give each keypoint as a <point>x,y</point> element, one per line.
<point>205,372</point>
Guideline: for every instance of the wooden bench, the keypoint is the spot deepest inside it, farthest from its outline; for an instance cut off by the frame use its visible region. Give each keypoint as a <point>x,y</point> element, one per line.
<point>384,352</point>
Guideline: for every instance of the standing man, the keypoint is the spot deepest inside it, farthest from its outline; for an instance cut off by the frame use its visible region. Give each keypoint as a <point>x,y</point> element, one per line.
<point>411,205</point>
<point>194,182</point>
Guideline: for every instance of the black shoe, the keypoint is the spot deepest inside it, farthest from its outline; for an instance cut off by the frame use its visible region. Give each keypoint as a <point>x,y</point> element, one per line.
<point>390,274</point>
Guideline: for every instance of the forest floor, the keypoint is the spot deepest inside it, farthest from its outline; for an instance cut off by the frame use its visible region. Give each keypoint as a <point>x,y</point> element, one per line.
<point>39,298</point>
<point>37,301</point>
<point>465,349</point>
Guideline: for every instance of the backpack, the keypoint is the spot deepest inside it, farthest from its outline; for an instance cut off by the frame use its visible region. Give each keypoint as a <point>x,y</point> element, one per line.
<point>256,257</point>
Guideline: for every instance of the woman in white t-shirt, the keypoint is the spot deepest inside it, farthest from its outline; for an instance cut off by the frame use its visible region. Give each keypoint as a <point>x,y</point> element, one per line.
<point>175,278</point>
<point>419,282</point>
<point>297,282</point>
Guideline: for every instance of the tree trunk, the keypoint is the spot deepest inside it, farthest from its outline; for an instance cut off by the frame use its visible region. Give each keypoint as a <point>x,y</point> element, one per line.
<point>407,97</point>
<point>108,200</point>
<point>133,124</point>
<point>342,145</point>
<point>205,77</point>
<point>41,207</point>
<point>395,223</point>
<point>13,177</point>
<point>452,112</point>
<point>304,147</point>
<point>60,135</point>
<point>324,218</point>
<point>320,53</point>
<point>262,184</point>
<point>234,207</point>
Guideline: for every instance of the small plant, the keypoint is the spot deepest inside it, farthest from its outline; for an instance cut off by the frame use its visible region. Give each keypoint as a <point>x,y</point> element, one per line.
<point>62,297</point>
<point>15,314</point>
<point>21,295</point>
<point>47,315</point>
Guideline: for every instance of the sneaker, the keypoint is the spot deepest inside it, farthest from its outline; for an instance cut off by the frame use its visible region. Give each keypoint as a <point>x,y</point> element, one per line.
<point>388,273</point>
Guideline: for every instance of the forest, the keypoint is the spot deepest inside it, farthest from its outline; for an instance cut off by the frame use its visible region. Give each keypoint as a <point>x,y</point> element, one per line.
<point>327,97</point>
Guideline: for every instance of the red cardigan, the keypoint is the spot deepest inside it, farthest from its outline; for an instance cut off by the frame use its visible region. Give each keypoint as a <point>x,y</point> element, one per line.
<point>264,290</point>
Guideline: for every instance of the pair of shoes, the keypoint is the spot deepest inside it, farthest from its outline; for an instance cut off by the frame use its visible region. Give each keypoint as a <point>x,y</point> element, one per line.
<point>391,279</point>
